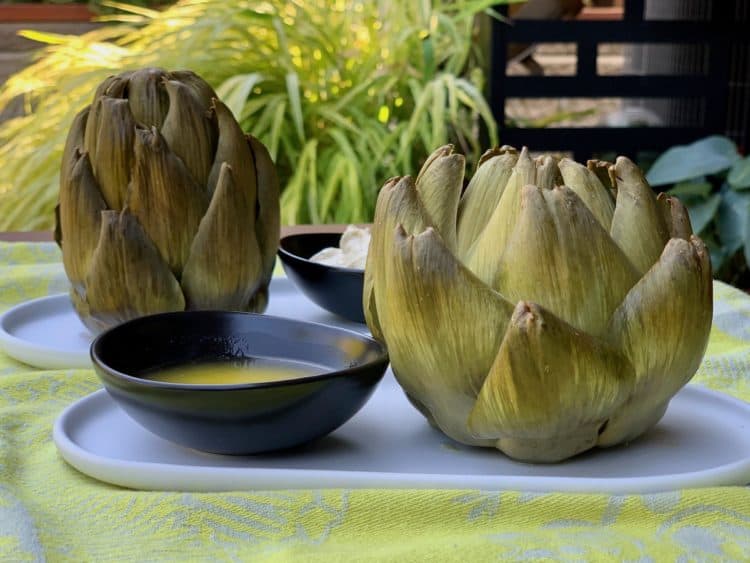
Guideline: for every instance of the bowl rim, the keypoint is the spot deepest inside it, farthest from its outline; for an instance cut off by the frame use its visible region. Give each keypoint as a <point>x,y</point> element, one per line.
<point>283,252</point>
<point>382,357</point>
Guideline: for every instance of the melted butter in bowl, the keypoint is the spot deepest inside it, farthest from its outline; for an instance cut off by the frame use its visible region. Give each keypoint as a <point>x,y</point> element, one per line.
<point>237,383</point>
<point>236,372</point>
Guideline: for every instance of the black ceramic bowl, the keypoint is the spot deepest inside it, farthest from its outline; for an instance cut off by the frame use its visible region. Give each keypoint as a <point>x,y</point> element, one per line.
<point>237,419</point>
<point>338,290</point>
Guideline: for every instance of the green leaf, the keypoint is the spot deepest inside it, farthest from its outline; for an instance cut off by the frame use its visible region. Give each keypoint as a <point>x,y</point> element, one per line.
<point>317,75</point>
<point>701,214</point>
<point>691,188</point>
<point>292,89</point>
<point>718,254</point>
<point>234,91</point>
<point>732,220</point>
<point>739,175</point>
<point>707,156</point>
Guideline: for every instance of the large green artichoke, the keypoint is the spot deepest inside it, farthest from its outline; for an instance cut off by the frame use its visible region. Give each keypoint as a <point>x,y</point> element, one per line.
<point>551,308</point>
<point>165,204</point>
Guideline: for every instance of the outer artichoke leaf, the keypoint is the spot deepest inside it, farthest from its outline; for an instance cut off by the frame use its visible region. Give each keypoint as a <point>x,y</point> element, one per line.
<point>483,257</point>
<point>432,298</point>
<point>587,186</point>
<point>375,257</point>
<point>439,186</point>
<point>73,144</point>
<point>548,172</point>
<point>114,150</point>
<point>200,87</point>
<point>104,85</point>
<point>80,210</point>
<point>148,98</point>
<point>259,301</point>
<point>398,204</point>
<point>435,155</point>
<point>167,201</point>
<point>81,307</point>
<point>663,327</point>
<point>676,217</point>
<point>603,171</point>
<point>560,257</point>
<point>114,86</point>
<point>128,277</point>
<point>550,389</point>
<point>225,265</point>
<point>267,211</point>
<point>190,131</point>
<point>91,130</point>
<point>496,151</point>
<point>637,225</point>
<point>234,150</point>
<point>482,196</point>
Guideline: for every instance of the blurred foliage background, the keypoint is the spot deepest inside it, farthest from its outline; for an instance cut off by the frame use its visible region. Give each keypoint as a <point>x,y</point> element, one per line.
<point>344,93</point>
<point>713,180</point>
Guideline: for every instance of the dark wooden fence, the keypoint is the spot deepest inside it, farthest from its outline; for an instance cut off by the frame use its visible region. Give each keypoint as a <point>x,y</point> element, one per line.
<point>720,87</point>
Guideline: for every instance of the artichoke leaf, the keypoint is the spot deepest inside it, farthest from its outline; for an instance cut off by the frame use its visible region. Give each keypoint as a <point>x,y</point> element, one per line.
<point>80,210</point>
<point>200,87</point>
<point>432,298</point>
<point>225,264</point>
<point>676,217</point>
<point>167,201</point>
<point>587,186</point>
<point>637,225</point>
<point>548,173</point>
<point>602,170</point>
<point>114,150</point>
<point>482,196</point>
<point>439,186</point>
<point>128,278</point>
<point>560,257</point>
<point>398,204</point>
<point>259,301</point>
<point>375,257</point>
<point>663,327</point>
<point>113,86</point>
<point>232,149</point>
<point>148,98</point>
<point>267,212</point>
<point>550,389</point>
<point>74,143</point>
<point>189,130</point>
<point>483,256</point>
<point>91,128</point>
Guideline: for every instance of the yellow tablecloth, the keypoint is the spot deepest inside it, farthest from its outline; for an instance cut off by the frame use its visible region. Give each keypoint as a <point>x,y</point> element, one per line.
<point>49,511</point>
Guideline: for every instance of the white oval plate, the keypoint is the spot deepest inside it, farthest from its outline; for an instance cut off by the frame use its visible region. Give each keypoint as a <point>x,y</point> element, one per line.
<point>47,333</point>
<point>703,440</point>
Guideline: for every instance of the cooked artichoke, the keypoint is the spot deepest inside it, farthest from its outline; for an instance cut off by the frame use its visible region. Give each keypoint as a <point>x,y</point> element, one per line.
<point>164,204</point>
<point>551,308</point>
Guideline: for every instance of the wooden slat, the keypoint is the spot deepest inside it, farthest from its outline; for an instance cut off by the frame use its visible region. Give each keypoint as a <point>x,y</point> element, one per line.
<point>651,86</point>
<point>45,12</point>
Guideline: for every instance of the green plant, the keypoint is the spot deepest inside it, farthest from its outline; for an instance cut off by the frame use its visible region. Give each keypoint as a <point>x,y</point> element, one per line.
<point>550,308</point>
<point>95,5</point>
<point>713,180</point>
<point>344,93</point>
<point>165,204</point>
